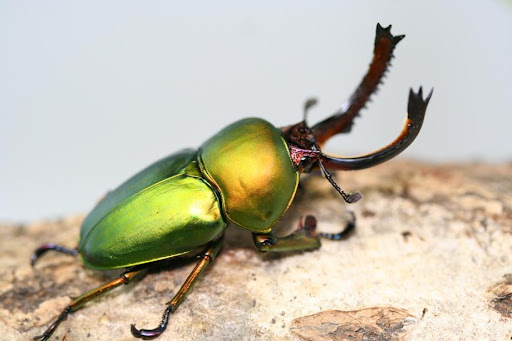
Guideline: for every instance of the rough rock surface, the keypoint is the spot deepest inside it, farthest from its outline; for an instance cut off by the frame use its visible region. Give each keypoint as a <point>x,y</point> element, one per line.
<point>430,260</point>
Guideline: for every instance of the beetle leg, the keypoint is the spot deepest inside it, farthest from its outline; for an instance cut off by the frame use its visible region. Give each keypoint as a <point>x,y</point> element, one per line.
<point>125,278</point>
<point>346,232</point>
<point>53,247</point>
<point>301,240</point>
<point>416,108</point>
<point>305,238</point>
<point>342,120</point>
<point>173,304</point>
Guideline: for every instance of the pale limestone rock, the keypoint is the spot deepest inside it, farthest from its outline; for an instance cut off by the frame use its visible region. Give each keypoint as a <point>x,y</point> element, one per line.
<point>432,244</point>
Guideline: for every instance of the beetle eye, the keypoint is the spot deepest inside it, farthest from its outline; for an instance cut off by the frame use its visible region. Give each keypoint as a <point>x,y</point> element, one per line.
<point>306,164</point>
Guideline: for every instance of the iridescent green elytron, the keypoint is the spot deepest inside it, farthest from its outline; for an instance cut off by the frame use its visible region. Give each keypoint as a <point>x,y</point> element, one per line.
<point>246,174</point>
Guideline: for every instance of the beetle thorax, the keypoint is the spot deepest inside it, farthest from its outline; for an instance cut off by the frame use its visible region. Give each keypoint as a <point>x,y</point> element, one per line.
<point>249,163</point>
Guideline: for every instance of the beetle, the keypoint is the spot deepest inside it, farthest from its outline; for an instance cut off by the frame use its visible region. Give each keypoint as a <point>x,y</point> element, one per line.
<point>246,174</point>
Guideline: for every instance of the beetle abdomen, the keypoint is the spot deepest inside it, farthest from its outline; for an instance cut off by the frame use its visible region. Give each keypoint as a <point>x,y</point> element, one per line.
<point>249,163</point>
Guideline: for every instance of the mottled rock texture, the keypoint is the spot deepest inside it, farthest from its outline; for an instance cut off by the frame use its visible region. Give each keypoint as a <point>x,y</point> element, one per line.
<point>430,260</point>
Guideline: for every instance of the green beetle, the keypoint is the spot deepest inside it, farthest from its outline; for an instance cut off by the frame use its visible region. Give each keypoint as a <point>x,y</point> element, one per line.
<point>246,174</point>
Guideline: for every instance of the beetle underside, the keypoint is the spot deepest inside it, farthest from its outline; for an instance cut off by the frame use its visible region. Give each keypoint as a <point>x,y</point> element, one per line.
<point>304,144</point>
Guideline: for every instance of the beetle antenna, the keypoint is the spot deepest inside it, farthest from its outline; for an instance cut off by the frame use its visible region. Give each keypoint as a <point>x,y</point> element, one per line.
<point>310,102</point>
<point>349,198</point>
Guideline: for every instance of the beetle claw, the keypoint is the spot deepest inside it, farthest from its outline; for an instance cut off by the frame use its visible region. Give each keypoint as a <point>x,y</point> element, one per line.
<point>148,334</point>
<point>145,334</point>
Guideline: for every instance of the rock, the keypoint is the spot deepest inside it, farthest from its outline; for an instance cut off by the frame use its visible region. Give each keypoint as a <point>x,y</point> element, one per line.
<point>377,323</point>
<point>430,259</point>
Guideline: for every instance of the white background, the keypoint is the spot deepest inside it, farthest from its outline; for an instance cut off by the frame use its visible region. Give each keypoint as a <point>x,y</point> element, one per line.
<point>91,92</point>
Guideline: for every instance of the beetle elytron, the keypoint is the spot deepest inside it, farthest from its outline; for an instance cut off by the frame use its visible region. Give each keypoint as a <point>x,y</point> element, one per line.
<point>247,174</point>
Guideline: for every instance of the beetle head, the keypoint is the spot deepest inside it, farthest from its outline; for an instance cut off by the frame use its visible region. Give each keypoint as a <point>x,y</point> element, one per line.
<point>306,153</point>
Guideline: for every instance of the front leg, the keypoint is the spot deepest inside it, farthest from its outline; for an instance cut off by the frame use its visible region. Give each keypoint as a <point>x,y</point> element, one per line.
<point>303,239</point>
